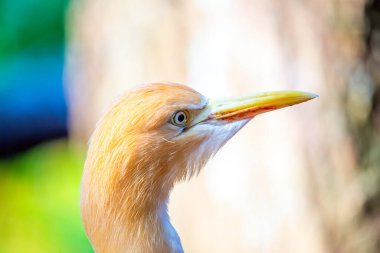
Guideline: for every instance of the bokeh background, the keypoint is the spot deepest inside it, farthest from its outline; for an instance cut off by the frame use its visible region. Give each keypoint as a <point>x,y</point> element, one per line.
<point>302,179</point>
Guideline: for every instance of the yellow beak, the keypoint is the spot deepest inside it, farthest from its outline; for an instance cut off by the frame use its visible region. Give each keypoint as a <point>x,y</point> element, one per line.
<point>247,107</point>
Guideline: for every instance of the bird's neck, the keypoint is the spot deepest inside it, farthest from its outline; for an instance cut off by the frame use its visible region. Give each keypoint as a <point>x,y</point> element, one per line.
<point>170,234</point>
<point>150,233</point>
<point>123,213</point>
<point>144,230</point>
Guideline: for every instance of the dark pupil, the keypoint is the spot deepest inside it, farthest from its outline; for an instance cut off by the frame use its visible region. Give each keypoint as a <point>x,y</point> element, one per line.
<point>181,117</point>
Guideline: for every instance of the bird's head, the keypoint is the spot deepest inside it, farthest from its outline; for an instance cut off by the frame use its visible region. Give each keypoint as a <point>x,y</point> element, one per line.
<point>166,132</point>
<point>155,135</point>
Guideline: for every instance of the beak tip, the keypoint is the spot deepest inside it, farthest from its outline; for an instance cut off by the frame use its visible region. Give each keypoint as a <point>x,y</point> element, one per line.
<point>304,97</point>
<point>312,96</point>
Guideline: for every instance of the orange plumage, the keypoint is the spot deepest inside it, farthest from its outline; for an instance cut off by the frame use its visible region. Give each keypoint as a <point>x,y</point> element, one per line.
<point>152,137</point>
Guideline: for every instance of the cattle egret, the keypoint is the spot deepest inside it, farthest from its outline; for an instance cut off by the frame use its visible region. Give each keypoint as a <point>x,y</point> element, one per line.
<point>152,137</point>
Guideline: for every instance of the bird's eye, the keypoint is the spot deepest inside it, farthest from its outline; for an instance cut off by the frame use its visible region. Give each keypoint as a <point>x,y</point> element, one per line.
<point>180,118</point>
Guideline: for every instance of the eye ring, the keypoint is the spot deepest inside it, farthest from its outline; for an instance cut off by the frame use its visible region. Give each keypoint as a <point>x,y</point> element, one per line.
<point>180,118</point>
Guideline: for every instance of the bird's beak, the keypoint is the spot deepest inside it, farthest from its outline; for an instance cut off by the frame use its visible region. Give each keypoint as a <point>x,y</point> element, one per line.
<point>247,107</point>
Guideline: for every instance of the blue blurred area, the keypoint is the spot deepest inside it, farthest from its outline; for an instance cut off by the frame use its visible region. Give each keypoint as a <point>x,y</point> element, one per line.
<point>32,104</point>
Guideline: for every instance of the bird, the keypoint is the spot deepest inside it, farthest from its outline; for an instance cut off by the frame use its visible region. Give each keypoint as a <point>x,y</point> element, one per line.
<point>150,138</point>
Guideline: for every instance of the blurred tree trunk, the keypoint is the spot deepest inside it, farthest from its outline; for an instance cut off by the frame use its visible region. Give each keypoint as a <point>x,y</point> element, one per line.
<point>289,182</point>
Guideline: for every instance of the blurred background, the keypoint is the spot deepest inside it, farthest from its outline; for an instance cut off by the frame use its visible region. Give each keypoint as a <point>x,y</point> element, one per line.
<point>303,179</point>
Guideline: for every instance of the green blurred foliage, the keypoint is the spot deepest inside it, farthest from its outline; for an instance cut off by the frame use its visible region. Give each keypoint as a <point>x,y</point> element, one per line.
<point>40,194</point>
<point>30,25</point>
